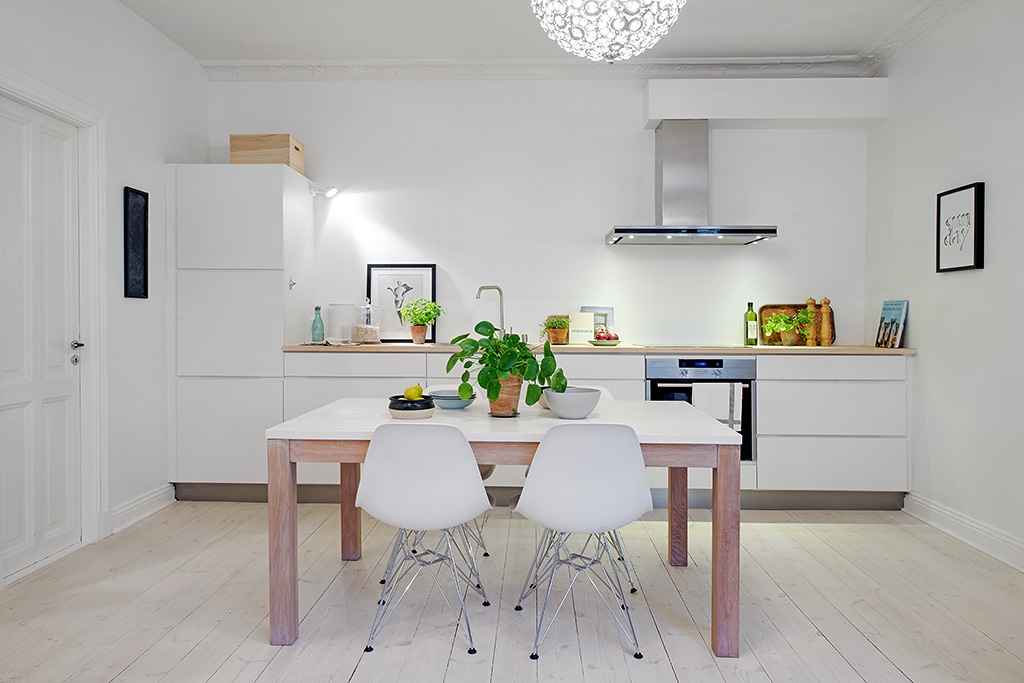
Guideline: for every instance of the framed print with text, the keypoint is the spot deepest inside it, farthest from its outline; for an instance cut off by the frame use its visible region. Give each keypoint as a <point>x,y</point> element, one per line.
<point>960,229</point>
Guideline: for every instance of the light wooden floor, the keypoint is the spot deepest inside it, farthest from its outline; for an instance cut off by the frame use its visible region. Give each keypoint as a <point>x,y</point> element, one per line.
<point>826,596</point>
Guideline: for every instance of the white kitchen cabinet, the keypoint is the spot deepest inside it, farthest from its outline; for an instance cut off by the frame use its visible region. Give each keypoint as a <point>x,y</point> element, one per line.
<point>832,423</point>
<point>221,428</point>
<point>622,375</point>
<point>242,263</point>
<point>316,379</point>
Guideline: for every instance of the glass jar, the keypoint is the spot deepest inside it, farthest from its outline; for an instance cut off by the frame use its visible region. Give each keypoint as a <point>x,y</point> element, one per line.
<point>366,323</point>
<point>339,322</point>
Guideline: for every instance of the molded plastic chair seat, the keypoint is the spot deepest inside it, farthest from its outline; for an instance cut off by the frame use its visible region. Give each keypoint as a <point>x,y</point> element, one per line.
<point>423,477</point>
<point>585,480</point>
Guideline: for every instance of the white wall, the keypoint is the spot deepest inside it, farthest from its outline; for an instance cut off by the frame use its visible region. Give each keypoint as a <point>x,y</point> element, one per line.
<point>154,100</point>
<point>515,183</point>
<point>956,112</point>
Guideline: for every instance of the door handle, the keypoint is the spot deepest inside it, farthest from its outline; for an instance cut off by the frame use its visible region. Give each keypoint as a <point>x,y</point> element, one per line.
<point>75,345</point>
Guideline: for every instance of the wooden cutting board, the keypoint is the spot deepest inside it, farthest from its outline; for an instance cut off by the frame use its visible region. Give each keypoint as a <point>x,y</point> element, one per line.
<point>773,339</point>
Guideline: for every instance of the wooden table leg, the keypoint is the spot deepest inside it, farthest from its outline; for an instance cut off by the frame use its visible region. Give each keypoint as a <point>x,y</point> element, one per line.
<point>678,508</point>
<point>282,514</point>
<point>725,553</point>
<point>351,520</point>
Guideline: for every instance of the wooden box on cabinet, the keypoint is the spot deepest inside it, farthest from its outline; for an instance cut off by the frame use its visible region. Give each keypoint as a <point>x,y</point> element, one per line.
<point>268,149</point>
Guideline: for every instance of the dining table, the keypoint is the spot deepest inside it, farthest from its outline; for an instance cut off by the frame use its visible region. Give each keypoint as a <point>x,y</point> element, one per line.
<point>672,434</point>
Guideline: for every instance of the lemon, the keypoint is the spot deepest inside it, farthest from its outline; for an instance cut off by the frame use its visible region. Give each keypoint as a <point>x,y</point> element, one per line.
<point>413,393</point>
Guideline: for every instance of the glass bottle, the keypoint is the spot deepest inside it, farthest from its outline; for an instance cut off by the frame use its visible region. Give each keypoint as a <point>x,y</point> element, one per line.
<point>751,325</point>
<point>318,326</point>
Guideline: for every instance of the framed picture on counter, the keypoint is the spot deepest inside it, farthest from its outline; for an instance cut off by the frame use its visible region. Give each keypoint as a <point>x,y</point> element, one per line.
<point>960,229</point>
<point>389,286</point>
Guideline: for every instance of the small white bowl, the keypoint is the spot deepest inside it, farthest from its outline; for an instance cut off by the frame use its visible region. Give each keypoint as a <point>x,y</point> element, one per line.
<point>573,404</point>
<point>411,414</point>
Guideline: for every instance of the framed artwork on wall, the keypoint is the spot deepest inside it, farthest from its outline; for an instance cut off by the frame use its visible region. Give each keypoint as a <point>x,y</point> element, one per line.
<point>960,229</point>
<point>136,243</point>
<point>388,286</point>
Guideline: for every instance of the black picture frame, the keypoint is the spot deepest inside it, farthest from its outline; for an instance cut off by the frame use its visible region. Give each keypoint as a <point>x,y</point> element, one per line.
<point>960,229</point>
<point>389,285</point>
<point>136,243</point>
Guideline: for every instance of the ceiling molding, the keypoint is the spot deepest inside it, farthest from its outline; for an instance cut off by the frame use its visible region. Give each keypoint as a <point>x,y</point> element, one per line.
<point>849,67</point>
<point>867,63</point>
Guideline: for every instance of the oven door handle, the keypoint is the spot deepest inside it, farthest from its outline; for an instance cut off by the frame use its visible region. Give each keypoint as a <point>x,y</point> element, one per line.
<point>671,385</point>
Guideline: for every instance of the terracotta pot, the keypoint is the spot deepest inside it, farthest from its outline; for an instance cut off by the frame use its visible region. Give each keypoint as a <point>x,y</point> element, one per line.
<point>790,337</point>
<point>558,336</point>
<point>507,404</point>
<point>419,333</point>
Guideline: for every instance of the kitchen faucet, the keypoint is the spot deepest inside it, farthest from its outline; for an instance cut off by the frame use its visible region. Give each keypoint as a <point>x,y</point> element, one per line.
<point>501,305</point>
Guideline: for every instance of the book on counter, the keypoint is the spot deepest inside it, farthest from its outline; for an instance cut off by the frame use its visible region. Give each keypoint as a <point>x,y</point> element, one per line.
<point>891,323</point>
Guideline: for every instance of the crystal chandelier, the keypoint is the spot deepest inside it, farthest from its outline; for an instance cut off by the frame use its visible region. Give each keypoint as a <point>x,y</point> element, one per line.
<point>606,30</point>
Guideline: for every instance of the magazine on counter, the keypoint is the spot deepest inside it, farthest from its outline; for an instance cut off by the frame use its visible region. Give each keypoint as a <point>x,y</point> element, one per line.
<point>891,324</point>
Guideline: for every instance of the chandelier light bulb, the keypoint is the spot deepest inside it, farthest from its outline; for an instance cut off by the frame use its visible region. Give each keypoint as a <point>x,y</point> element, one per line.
<point>606,30</point>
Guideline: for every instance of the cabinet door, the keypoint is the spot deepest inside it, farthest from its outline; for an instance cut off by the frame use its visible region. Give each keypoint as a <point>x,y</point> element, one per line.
<point>229,215</point>
<point>298,258</point>
<point>221,429</point>
<point>230,323</point>
<point>579,367</point>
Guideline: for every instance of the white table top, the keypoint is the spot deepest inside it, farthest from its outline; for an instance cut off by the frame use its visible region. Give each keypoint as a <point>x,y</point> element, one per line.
<point>666,422</point>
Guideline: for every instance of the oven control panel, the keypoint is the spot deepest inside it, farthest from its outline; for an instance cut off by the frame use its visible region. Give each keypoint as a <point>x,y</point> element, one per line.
<point>732,368</point>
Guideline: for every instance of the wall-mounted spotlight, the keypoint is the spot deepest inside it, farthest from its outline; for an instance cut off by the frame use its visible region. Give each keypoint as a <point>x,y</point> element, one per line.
<point>327,192</point>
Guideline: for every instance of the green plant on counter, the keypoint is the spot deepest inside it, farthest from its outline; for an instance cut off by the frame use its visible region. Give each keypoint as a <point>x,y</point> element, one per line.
<point>420,312</point>
<point>500,357</point>
<point>781,322</point>
<point>555,322</point>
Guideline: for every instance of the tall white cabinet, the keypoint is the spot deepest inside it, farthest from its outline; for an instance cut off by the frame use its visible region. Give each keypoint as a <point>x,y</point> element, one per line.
<point>243,269</point>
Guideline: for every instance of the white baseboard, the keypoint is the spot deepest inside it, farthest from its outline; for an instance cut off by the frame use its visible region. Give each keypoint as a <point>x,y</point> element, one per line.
<point>137,509</point>
<point>985,538</point>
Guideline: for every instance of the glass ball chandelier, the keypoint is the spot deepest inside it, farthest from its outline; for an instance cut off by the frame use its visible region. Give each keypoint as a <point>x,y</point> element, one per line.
<point>606,30</point>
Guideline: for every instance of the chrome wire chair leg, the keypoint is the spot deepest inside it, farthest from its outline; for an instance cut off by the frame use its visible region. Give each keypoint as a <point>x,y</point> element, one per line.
<point>620,551</point>
<point>409,554</point>
<point>538,567</point>
<point>466,564</point>
<point>579,563</point>
<point>476,532</point>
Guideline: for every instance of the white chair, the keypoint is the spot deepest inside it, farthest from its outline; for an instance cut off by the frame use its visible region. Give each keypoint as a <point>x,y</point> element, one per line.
<point>423,477</point>
<point>587,480</point>
<point>476,527</point>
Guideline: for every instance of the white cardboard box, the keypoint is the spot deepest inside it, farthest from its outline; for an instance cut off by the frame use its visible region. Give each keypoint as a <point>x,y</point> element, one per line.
<point>581,327</point>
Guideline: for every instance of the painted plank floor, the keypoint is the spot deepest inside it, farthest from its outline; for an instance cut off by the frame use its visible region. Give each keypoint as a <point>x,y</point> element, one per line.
<point>826,596</point>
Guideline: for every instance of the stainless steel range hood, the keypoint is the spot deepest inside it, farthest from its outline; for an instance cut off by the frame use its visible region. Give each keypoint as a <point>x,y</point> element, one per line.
<point>681,195</point>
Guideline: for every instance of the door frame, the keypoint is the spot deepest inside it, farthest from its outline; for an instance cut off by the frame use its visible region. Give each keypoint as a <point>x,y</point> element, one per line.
<point>91,124</point>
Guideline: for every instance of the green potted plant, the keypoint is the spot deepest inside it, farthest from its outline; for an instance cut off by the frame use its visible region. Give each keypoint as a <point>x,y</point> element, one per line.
<point>502,363</point>
<point>789,324</point>
<point>556,328</point>
<point>420,313</point>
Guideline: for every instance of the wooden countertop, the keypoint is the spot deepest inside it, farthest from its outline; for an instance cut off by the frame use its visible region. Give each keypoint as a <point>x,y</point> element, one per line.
<point>628,349</point>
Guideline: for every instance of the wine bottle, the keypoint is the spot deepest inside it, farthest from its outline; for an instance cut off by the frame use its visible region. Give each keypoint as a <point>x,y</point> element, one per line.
<point>751,325</point>
<point>318,326</point>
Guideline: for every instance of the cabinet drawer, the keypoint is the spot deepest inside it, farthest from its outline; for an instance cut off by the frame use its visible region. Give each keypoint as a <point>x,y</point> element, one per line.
<point>832,367</point>
<point>832,408</point>
<point>831,464</point>
<point>356,364</point>
<point>579,367</point>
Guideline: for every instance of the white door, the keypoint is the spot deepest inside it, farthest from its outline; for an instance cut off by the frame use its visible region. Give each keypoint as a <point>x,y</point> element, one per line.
<point>40,469</point>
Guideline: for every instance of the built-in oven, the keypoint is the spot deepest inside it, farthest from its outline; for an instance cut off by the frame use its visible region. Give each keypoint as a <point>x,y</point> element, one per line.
<point>723,387</point>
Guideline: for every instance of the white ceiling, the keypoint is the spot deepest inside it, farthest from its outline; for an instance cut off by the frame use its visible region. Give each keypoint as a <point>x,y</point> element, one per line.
<point>850,37</point>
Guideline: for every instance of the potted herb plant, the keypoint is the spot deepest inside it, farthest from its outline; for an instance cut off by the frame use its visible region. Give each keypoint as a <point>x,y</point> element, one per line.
<point>556,328</point>
<point>789,324</point>
<point>502,363</point>
<point>420,313</point>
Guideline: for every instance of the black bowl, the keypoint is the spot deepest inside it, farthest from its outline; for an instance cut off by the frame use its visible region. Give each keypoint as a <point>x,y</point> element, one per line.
<point>399,402</point>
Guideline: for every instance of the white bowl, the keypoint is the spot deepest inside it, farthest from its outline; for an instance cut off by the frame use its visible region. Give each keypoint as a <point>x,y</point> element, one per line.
<point>574,404</point>
<point>411,414</point>
<point>449,399</point>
